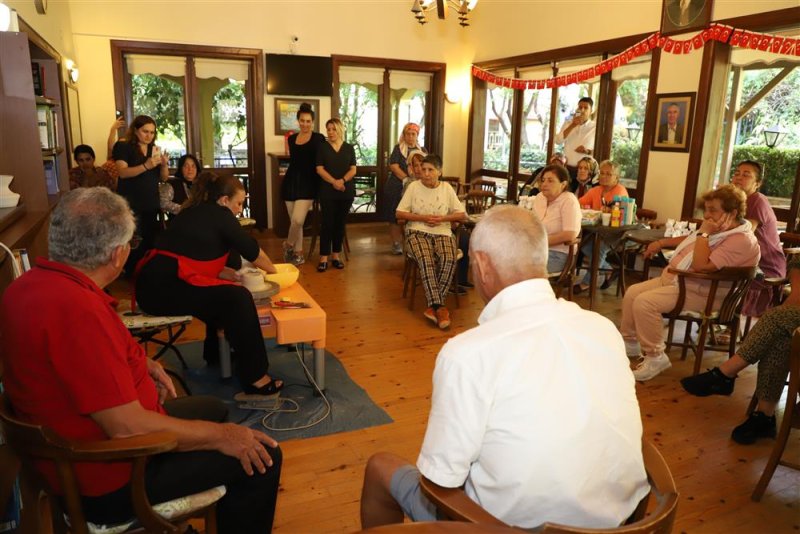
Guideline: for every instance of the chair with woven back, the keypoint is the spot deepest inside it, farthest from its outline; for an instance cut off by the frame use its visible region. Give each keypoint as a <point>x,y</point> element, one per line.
<point>728,313</point>
<point>33,443</point>
<point>655,513</point>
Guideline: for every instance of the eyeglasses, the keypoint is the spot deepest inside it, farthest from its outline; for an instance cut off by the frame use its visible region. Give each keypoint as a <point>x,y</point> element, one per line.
<point>135,241</point>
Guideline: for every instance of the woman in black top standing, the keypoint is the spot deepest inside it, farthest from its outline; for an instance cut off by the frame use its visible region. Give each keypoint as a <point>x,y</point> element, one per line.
<point>186,274</point>
<point>141,166</point>
<point>336,165</point>
<point>301,183</point>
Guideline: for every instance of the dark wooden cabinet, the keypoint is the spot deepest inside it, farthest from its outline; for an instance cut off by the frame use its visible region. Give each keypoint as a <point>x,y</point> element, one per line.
<point>278,163</point>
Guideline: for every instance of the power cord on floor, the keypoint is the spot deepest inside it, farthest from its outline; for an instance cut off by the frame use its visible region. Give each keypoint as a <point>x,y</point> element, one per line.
<point>281,404</point>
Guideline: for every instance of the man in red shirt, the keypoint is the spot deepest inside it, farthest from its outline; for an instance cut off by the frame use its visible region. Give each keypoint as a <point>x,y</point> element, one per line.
<point>70,364</point>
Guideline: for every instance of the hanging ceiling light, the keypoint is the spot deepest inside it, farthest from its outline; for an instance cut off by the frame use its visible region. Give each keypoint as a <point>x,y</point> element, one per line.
<point>420,8</point>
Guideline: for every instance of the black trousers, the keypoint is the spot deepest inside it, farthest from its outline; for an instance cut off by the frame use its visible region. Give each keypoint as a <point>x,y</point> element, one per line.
<point>147,227</point>
<point>334,213</point>
<point>248,505</point>
<point>159,291</point>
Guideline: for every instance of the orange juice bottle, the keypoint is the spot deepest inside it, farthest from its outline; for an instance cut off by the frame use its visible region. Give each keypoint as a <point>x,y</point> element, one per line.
<point>615,215</point>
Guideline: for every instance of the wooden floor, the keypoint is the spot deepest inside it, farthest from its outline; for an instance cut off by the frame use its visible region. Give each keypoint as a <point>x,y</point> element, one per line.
<point>390,352</point>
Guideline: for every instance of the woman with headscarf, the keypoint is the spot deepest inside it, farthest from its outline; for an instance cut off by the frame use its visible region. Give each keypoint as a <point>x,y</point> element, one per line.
<point>393,187</point>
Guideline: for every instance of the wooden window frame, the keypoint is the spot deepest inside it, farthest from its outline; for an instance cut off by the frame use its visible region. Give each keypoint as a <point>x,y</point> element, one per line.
<point>255,95</point>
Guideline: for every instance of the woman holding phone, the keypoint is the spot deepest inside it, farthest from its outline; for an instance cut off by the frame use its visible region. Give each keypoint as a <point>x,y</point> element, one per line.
<point>141,165</point>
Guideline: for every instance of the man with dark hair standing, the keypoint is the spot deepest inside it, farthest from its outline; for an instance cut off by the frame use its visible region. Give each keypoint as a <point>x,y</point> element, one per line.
<point>71,365</point>
<point>577,135</point>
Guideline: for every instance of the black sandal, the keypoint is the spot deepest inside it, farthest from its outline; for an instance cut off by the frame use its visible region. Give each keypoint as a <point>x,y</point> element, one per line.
<point>322,267</point>
<point>252,393</point>
<point>338,264</point>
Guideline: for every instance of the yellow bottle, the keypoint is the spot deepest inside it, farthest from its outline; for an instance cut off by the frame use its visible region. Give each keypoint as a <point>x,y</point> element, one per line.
<point>615,215</point>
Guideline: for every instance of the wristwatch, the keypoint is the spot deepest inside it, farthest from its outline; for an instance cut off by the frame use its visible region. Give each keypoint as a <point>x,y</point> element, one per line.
<point>703,234</point>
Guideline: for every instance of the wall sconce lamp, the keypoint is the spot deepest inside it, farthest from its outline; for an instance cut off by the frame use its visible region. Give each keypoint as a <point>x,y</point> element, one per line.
<point>633,131</point>
<point>72,70</point>
<point>452,97</point>
<point>772,136</point>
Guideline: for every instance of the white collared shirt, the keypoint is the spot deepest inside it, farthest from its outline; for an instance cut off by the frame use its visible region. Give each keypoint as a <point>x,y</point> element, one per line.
<point>535,411</point>
<point>580,135</point>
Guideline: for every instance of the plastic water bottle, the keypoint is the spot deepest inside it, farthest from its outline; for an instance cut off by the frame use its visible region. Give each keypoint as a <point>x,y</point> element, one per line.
<point>615,215</point>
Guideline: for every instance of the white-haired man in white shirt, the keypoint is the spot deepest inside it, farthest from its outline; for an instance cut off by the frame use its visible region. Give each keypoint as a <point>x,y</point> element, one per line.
<point>537,420</point>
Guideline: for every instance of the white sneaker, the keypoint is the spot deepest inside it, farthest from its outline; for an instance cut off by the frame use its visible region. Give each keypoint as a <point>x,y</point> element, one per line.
<point>651,367</point>
<point>632,348</point>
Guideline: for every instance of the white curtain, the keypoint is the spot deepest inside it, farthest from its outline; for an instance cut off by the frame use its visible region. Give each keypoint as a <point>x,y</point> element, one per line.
<point>362,75</point>
<point>157,65</point>
<point>637,69</point>
<point>577,65</point>
<point>538,72</point>
<point>413,81</point>
<point>222,69</point>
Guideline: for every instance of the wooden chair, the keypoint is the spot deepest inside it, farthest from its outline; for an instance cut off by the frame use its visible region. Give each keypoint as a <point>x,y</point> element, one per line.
<point>483,185</point>
<point>454,503</point>
<point>791,419</point>
<point>479,201</point>
<point>33,443</point>
<point>567,277</point>
<point>728,314</point>
<point>630,248</point>
<point>454,181</point>
<point>412,279</point>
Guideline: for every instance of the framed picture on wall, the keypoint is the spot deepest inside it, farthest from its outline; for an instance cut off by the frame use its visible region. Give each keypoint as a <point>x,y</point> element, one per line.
<point>679,16</point>
<point>286,114</point>
<point>673,122</point>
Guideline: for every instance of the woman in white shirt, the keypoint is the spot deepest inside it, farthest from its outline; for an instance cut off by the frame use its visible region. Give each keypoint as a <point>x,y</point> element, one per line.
<point>430,206</point>
<point>559,211</point>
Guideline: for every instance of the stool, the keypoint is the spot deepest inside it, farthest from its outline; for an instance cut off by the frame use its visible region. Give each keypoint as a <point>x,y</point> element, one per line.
<point>411,278</point>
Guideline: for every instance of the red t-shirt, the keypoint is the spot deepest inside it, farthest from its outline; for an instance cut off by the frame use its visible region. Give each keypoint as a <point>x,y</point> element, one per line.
<point>66,355</point>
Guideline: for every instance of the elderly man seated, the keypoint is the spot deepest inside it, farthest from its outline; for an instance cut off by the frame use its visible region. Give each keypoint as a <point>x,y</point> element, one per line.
<point>430,206</point>
<point>537,422</point>
<point>71,365</point>
<point>724,239</point>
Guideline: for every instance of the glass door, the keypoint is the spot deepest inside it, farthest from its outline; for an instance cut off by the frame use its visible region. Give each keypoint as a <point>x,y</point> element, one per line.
<point>375,102</point>
<point>201,106</point>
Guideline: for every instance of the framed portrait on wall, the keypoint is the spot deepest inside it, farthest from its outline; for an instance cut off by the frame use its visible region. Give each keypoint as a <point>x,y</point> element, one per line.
<point>673,122</point>
<point>286,114</point>
<point>679,16</point>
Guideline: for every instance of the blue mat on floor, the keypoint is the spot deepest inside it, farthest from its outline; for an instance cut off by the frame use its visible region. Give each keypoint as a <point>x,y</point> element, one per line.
<point>351,407</point>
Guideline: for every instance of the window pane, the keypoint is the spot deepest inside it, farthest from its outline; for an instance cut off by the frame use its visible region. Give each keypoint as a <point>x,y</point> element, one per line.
<point>626,141</point>
<point>568,97</point>
<point>497,140</point>
<point>535,126</point>
<point>161,97</point>
<point>359,112</point>
<point>408,105</point>
<point>228,119</point>
<point>771,112</point>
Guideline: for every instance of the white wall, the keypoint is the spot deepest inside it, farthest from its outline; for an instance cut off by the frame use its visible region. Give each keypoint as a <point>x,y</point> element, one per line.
<point>82,29</point>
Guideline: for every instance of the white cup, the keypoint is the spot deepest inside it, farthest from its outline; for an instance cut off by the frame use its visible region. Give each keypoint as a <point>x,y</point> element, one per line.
<point>606,217</point>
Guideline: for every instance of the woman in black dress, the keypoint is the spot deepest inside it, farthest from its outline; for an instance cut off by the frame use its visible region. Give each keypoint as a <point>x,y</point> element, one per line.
<point>141,166</point>
<point>186,274</point>
<point>301,183</point>
<point>336,165</point>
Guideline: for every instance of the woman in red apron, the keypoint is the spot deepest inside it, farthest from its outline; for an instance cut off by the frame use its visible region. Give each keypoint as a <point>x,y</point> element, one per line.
<point>191,272</point>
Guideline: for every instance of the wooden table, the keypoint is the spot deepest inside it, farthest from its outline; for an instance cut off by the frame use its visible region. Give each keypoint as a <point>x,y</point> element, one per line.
<point>292,326</point>
<point>611,235</point>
